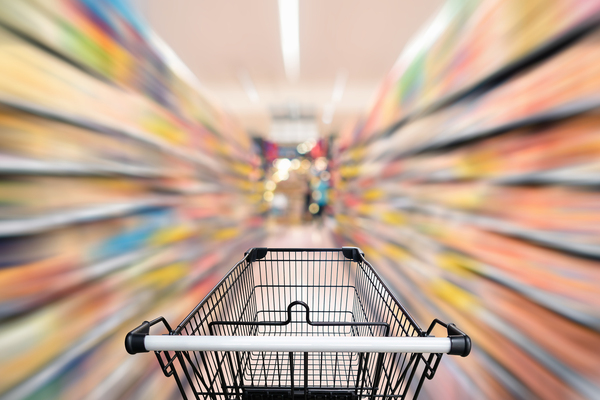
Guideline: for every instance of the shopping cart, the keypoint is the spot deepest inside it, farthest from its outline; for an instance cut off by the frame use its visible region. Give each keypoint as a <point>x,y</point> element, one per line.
<point>299,324</point>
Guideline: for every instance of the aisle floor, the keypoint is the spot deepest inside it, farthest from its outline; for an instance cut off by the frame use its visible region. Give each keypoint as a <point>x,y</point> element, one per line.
<point>311,234</point>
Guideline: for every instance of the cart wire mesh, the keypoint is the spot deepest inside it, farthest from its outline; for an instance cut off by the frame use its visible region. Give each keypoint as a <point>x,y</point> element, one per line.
<point>299,292</point>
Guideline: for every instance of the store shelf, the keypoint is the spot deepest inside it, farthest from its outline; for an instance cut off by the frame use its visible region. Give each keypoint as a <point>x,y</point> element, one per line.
<point>559,305</point>
<point>555,240</point>
<point>94,271</point>
<point>562,176</point>
<point>530,60</point>
<point>31,225</point>
<point>553,115</point>
<point>11,165</point>
<point>54,52</point>
<point>385,151</point>
<point>578,175</point>
<point>143,137</point>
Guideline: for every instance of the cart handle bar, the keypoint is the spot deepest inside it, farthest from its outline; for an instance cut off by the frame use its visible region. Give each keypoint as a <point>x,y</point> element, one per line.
<point>299,344</point>
<point>138,341</point>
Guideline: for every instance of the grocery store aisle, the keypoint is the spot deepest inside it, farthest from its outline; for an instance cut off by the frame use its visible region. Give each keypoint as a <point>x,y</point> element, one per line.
<point>311,234</point>
<point>469,175</point>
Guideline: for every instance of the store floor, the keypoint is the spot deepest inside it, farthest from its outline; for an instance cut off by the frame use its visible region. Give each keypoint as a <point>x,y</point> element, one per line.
<point>313,234</point>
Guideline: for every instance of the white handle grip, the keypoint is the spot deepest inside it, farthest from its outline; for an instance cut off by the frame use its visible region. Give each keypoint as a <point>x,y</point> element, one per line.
<point>298,344</point>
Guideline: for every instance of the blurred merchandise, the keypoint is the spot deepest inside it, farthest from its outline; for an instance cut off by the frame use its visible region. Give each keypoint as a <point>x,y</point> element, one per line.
<point>124,194</point>
<point>474,181</point>
<point>472,45</point>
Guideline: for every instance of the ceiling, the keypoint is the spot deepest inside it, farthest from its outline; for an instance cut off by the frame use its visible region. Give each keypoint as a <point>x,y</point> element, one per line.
<point>225,42</point>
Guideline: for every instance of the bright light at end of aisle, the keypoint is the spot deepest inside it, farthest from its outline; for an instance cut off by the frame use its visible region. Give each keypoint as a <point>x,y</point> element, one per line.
<point>282,164</point>
<point>307,146</point>
<point>268,196</point>
<point>289,29</point>
<point>321,163</point>
<point>280,176</point>
<point>305,164</point>
<point>302,148</point>
<point>270,185</point>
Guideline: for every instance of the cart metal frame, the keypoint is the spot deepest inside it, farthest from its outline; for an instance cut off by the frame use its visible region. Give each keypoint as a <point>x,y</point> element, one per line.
<point>299,324</point>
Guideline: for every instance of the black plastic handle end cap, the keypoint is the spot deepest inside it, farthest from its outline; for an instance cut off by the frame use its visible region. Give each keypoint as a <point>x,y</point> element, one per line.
<point>460,345</point>
<point>257,253</point>
<point>134,341</point>
<point>353,253</point>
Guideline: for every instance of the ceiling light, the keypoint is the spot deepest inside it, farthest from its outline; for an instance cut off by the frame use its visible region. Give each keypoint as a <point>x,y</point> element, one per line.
<point>289,29</point>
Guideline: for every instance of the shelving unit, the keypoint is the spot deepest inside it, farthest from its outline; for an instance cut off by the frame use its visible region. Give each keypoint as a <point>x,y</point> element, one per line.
<point>564,23</point>
<point>27,226</point>
<point>473,181</point>
<point>124,195</point>
<point>11,165</point>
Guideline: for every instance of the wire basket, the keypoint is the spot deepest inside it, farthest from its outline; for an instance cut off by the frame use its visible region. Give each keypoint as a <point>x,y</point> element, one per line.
<point>299,324</point>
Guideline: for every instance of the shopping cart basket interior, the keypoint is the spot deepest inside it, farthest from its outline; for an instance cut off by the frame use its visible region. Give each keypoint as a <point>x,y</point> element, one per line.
<point>299,324</point>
